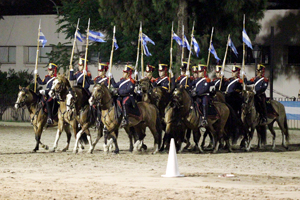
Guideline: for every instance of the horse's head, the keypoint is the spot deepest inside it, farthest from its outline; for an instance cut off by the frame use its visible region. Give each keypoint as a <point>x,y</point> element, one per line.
<point>177,96</point>
<point>145,84</point>
<point>71,100</point>
<point>100,95</point>
<point>59,84</point>
<point>248,102</point>
<point>156,95</point>
<point>23,97</point>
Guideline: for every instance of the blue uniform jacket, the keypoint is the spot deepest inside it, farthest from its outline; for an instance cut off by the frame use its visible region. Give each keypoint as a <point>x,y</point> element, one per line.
<point>201,86</point>
<point>260,84</point>
<point>48,80</point>
<point>104,79</point>
<point>79,77</point>
<point>163,82</point>
<point>181,80</point>
<point>126,87</point>
<point>234,85</point>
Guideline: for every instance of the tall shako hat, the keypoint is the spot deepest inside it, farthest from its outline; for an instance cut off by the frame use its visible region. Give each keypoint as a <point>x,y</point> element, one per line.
<point>162,67</point>
<point>52,67</point>
<point>150,68</point>
<point>103,67</point>
<point>218,68</point>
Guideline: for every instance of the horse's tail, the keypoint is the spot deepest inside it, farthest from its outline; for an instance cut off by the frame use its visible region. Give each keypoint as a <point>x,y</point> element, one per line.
<point>262,131</point>
<point>287,135</point>
<point>83,138</point>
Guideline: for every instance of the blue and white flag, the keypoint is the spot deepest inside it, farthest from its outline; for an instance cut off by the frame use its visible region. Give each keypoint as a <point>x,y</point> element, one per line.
<point>96,36</point>
<point>196,46</point>
<point>79,36</point>
<point>42,39</point>
<point>292,109</point>
<point>115,44</point>
<point>246,39</point>
<point>230,43</point>
<point>213,51</point>
<point>177,39</point>
<point>147,39</point>
<point>186,44</point>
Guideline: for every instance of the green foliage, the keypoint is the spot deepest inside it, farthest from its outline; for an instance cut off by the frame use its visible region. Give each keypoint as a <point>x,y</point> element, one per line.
<point>9,87</point>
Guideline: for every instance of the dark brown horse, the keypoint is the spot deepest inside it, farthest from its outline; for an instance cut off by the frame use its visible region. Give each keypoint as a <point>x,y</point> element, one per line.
<point>30,99</point>
<point>59,90</point>
<point>252,119</point>
<point>184,109</point>
<point>149,118</point>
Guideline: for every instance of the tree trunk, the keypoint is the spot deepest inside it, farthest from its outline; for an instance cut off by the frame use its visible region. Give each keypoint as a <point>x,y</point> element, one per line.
<point>182,20</point>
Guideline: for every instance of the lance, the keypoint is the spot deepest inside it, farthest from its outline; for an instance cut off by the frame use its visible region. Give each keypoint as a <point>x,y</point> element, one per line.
<point>73,49</point>
<point>138,50</point>
<point>171,56</point>
<point>37,55</point>
<point>224,60</point>
<point>142,52</point>
<point>111,55</point>
<point>191,46</point>
<point>212,32</point>
<point>243,63</point>
<point>182,49</point>
<point>86,51</point>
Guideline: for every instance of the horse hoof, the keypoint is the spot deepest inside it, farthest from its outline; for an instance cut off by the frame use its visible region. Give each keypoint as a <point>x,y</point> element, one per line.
<point>91,151</point>
<point>116,152</point>
<point>33,151</point>
<point>52,150</point>
<point>46,147</point>
<point>75,151</point>
<point>64,150</point>
<point>144,147</point>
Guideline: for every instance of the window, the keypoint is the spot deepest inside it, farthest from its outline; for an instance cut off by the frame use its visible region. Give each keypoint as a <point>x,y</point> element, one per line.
<point>7,54</point>
<point>42,54</point>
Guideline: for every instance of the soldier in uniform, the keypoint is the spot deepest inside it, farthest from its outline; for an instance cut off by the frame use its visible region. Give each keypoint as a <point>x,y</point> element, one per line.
<point>163,80</point>
<point>233,90</point>
<point>102,78</point>
<point>126,92</point>
<point>79,75</point>
<point>184,78</point>
<point>201,86</point>
<point>48,80</point>
<point>149,73</point>
<point>260,86</point>
<point>216,81</point>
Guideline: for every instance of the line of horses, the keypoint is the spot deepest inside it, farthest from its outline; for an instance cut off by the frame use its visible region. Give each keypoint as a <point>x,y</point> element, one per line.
<point>176,113</point>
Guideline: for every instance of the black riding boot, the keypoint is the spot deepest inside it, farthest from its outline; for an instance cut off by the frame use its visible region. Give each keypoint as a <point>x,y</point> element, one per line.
<point>49,110</point>
<point>264,112</point>
<point>204,121</point>
<point>125,117</point>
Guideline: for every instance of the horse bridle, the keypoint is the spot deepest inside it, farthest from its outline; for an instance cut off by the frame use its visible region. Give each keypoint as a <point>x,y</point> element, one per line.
<point>21,104</point>
<point>97,99</point>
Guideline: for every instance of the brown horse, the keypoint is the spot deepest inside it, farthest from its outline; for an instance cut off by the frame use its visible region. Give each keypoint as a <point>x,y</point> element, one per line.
<point>59,90</point>
<point>30,99</point>
<point>184,109</point>
<point>252,119</point>
<point>149,118</point>
<point>145,85</point>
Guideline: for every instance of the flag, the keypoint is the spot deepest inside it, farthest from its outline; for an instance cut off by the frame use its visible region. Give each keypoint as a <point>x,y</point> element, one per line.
<point>79,36</point>
<point>246,39</point>
<point>96,36</point>
<point>186,44</point>
<point>146,51</point>
<point>230,43</point>
<point>115,44</point>
<point>213,51</point>
<point>177,39</point>
<point>147,39</point>
<point>42,39</point>
<point>196,46</point>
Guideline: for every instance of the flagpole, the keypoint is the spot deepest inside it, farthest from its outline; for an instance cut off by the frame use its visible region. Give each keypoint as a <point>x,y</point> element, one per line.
<point>191,46</point>
<point>171,54</point>
<point>182,48</point>
<point>138,50</point>
<point>111,55</point>
<point>142,52</point>
<point>243,63</point>
<point>224,60</point>
<point>73,49</point>
<point>212,32</point>
<point>86,51</point>
<point>37,55</point>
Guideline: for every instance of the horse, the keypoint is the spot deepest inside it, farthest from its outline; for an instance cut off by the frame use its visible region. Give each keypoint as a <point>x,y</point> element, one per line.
<point>145,85</point>
<point>77,103</point>
<point>28,98</point>
<point>185,109</point>
<point>111,119</point>
<point>252,120</point>
<point>59,90</point>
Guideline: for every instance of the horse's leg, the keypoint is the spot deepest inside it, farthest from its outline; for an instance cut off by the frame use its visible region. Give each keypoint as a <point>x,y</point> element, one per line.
<point>139,136</point>
<point>89,137</point>
<point>156,135</point>
<point>270,126</point>
<point>248,147</point>
<point>58,133</point>
<point>69,135</point>
<point>282,123</point>
<point>204,137</point>
<point>132,134</point>
<point>38,132</point>
<point>75,150</point>
<point>105,146</point>
<point>114,137</point>
<point>197,138</point>
<point>99,135</point>
<point>187,138</point>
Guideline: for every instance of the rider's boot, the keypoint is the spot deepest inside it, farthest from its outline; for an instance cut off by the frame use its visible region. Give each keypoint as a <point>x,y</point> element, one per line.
<point>49,110</point>
<point>264,118</point>
<point>125,117</point>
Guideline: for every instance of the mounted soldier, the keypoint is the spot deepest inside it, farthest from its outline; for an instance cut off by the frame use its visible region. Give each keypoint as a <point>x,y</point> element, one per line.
<point>183,79</point>
<point>216,81</point>
<point>201,86</point>
<point>102,77</point>
<point>233,91</point>
<point>163,80</point>
<point>125,91</point>
<point>48,80</point>
<point>79,75</point>
<point>149,73</point>
<point>260,86</point>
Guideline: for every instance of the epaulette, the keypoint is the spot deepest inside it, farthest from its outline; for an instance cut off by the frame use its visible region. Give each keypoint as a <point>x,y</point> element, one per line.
<point>156,79</point>
<point>132,80</point>
<point>252,79</point>
<point>240,80</point>
<point>208,80</point>
<point>178,79</point>
<point>47,76</point>
<point>192,78</point>
<point>76,72</point>
<point>96,78</point>
<point>89,74</point>
<point>266,80</point>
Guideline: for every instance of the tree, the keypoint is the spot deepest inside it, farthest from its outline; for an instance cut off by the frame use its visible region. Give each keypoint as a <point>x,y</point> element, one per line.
<point>9,87</point>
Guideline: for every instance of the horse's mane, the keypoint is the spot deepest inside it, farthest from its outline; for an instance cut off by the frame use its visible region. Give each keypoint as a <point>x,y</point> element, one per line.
<point>63,79</point>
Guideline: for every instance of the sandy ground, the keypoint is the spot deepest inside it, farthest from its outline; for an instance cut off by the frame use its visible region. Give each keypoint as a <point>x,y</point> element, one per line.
<point>263,174</point>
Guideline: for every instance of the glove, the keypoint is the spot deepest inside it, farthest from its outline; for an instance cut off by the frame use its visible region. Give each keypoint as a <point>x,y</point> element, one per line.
<point>109,75</point>
<point>171,73</point>
<point>35,71</point>
<point>71,67</point>
<point>84,72</point>
<point>42,92</point>
<point>222,73</point>
<point>188,74</point>
<point>243,73</point>
<point>136,73</point>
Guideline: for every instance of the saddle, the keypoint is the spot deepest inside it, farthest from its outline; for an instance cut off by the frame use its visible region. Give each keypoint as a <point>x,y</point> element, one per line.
<point>55,107</point>
<point>212,112</point>
<point>132,111</point>
<point>270,110</point>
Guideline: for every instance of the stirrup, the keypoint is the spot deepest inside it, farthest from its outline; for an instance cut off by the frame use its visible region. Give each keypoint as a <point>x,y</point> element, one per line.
<point>124,122</point>
<point>49,121</point>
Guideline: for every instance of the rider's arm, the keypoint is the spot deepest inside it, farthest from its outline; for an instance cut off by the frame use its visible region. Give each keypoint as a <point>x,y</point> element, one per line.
<point>42,82</point>
<point>72,76</point>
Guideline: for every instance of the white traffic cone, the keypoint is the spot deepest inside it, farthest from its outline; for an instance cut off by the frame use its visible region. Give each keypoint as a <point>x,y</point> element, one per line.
<point>172,167</point>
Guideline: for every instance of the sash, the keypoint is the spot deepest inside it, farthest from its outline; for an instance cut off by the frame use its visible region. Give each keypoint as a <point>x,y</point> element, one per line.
<point>231,84</point>
<point>79,77</point>
<point>124,83</point>
<point>200,81</point>
<point>103,79</point>
<point>182,80</point>
<point>161,80</point>
<point>259,81</point>
<point>218,81</point>
<point>50,81</point>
